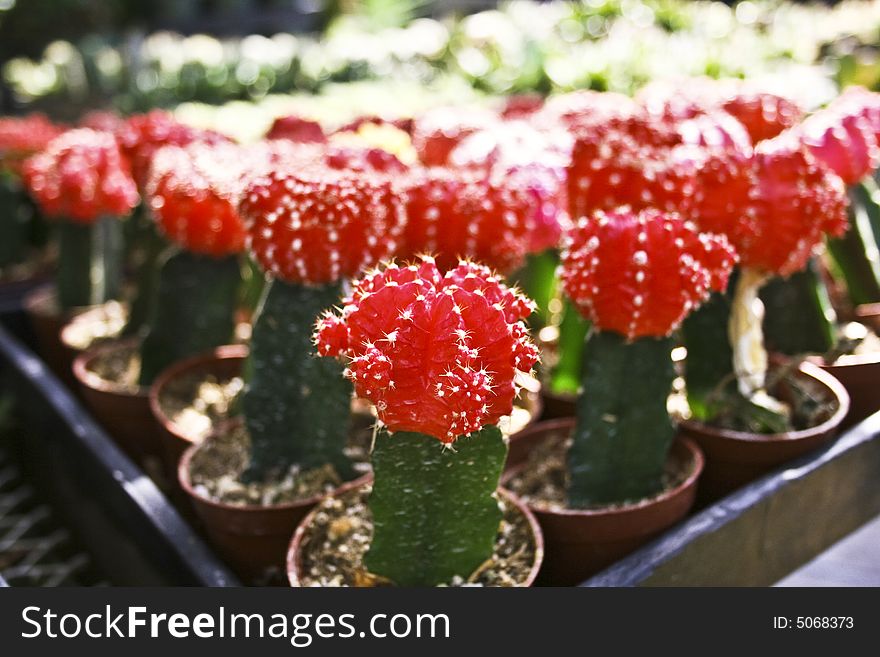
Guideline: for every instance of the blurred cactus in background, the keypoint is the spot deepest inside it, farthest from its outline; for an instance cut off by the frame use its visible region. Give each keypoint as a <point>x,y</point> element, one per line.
<point>143,55</point>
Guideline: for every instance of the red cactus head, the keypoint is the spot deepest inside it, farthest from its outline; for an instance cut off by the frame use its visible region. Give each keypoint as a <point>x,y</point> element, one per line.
<point>797,201</point>
<point>22,137</point>
<point>764,114</point>
<point>376,160</point>
<point>843,138</point>
<point>460,213</point>
<point>533,160</point>
<point>297,129</point>
<point>440,130</point>
<point>678,98</point>
<point>320,225</point>
<point>633,161</point>
<point>144,134</point>
<point>521,106</point>
<point>104,120</point>
<point>82,176</point>
<point>437,354</point>
<point>858,100</point>
<point>774,206</point>
<point>194,192</point>
<point>640,273</point>
<point>715,131</point>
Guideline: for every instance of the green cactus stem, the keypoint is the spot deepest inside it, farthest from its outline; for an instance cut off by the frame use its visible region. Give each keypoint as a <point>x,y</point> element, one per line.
<point>144,260</point>
<point>798,317</point>
<point>194,310</point>
<point>709,361</point>
<point>14,224</point>
<point>252,283</point>
<point>89,262</point>
<point>297,406</point>
<point>623,431</point>
<point>566,373</point>
<point>856,254</point>
<point>435,515</point>
<point>538,280</point>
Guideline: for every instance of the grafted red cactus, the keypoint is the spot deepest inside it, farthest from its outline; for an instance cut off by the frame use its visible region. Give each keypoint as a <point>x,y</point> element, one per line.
<point>858,100</point>
<point>521,106</point>
<point>635,161</point>
<point>144,134</point>
<point>104,120</point>
<point>796,203</point>
<point>775,206</point>
<point>320,225</point>
<point>363,159</point>
<point>436,354</point>
<point>81,176</point>
<point>715,131</point>
<point>22,137</point>
<point>438,131</point>
<point>194,192</point>
<point>843,137</point>
<point>297,129</point>
<point>640,273</point>
<point>764,114</point>
<point>464,213</point>
<point>535,160</point>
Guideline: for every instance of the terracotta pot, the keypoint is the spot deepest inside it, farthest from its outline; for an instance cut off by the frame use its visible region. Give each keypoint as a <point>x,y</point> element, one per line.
<point>123,413</point>
<point>79,333</point>
<point>223,363</point>
<point>581,542</point>
<point>253,539</point>
<point>734,458</point>
<point>47,320</point>
<point>294,552</point>
<point>860,375</point>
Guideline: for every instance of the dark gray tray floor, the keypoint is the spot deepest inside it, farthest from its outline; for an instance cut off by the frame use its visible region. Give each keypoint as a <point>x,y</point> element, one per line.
<point>853,561</point>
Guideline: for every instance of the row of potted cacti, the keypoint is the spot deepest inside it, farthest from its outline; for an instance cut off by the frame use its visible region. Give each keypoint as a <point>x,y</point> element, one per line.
<point>646,228</point>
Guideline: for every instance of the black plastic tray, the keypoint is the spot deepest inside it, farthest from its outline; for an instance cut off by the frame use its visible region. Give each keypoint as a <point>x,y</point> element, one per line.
<point>123,520</point>
<point>769,528</point>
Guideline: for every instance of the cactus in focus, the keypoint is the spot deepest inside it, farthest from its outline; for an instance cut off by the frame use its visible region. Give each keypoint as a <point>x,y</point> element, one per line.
<point>437,355</point>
